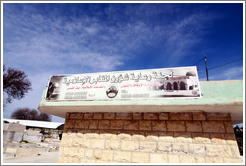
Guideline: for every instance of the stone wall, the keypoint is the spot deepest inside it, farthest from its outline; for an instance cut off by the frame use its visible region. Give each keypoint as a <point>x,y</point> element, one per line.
<point>148,138</point>
<point>13,132</point>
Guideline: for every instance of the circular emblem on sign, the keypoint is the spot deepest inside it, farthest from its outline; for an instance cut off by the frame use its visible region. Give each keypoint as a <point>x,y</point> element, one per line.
<point>112,91</point>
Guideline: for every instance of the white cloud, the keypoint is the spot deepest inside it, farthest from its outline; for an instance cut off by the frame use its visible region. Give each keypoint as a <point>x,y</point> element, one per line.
<point>233,73</point>
<point>58,41</point>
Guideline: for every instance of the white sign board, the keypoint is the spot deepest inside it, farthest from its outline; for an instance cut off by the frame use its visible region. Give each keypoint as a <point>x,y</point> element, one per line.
<point>136,84</point>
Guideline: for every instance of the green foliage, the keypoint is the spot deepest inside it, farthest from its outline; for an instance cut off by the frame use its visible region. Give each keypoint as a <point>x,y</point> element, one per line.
<point>24,141</point>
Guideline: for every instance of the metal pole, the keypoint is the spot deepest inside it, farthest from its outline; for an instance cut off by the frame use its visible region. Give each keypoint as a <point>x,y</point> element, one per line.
<point>206,67</point>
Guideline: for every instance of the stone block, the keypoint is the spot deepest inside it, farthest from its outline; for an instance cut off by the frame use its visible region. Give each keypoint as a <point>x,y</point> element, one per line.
<point>62,159</point>
<point>175,126</point>
<point>12,136</point>
<point>78,124</point>
<point>201,138</point>
<point>213,160</point>
<point>84,124</point>
<point>112,144</point>
<point>218,116</point>
<point>187,159</point>
<point>193,126</point>
<point>150,116</point>
<point>233,160</point>
<point>147,146</point>
<point>80,133</point>
<point>81,142</point>
<point>129,145</point>
<point>144,125</point>
<point>164,147</point>
<point>67,151</point>
<point>109,116</point>
<point>88,161</point>
<point>226,151</point>
<point>159,125</point>
<point>61,151</point>
<point>235,151</point>
<point>213,150</point>
<point>229,127</point>
<point>66,140</point>
<point>163,116</point>
<point>166,137</point>
<point>89,154</point>
<point>103,124</point>
<point>76,116</point>
<point>16,127</point>
<point>73,160</point>
<point>98,116</point>
<point>213,126</point>
<point>137,116</point>
<point>8,156</point>
<point>230,139</point>
<point>199,116</point>
<point>199,159</point>
<point>123,116</point>
<point>217,138</point>
<point>121,156</point>
<point>69,124</point>
<point>103,161</point>
<point>33,132</point>
<point>93,124</point>
<point>131,125</point>
<point>5,126</point>
<point>97,143</point>
<point>98,154</point>
<point>138,135</point>
<point>88,116</point>
<point>73,151</point>
<point>67,115</point>
<point>182,137</point>
<point>151,136</point>
<point>91,134</point>
<point>27,151</point>
<point>180,116</point>
<point>107,155</point>
<point>116,124</point>
<point>173,159</point>
<point>33,138</point>
<point>158,158</point>
<point>197,149</point>
<point>138,157</point>
<point>180,148</point>
<point>108,134</point>
<point>126,135</point>
<point>80,152</point>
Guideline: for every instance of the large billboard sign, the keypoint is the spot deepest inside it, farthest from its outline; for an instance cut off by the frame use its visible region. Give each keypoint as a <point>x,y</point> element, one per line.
<point>135,84</point>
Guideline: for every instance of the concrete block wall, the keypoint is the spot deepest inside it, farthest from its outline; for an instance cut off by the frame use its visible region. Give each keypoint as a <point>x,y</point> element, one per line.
<point>12,136</point>
<point>14,127</point>
<point>148,138</point>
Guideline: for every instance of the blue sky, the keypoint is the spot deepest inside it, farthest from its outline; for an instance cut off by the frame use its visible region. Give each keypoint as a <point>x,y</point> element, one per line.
<point>52,39</point>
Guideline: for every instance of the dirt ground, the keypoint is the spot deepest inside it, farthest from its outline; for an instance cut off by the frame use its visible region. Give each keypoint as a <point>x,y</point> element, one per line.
<point>45,157</point>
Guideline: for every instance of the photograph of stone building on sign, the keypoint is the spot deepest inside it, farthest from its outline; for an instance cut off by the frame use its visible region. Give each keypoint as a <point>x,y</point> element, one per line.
<point>180,85</point>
